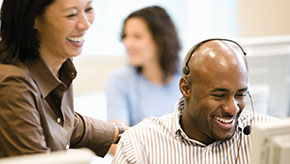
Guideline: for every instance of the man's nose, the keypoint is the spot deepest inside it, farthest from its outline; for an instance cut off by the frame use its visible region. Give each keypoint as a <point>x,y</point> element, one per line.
<point>231,106</point>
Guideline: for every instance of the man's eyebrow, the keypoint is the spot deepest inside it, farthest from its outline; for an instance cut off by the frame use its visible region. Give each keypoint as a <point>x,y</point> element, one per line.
<point>243,89</point>
<point>220,90</point>
<point>226,90</point>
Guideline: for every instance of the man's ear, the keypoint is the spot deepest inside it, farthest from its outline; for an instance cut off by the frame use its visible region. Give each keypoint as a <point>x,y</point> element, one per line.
<point>184,87</point>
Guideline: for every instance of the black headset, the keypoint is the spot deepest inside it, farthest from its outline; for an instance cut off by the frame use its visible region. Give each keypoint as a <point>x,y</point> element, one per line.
<point>186,70</point>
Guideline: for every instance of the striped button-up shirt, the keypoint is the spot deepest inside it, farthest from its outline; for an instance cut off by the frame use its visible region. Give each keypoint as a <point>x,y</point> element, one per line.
<point>162,141</point>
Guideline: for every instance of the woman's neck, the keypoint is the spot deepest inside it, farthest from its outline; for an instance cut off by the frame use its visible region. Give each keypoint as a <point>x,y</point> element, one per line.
<point>52,63</point>
<point>154,74</point>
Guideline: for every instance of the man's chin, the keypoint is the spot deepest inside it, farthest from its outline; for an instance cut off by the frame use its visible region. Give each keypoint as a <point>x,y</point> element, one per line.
<point>224,136</point>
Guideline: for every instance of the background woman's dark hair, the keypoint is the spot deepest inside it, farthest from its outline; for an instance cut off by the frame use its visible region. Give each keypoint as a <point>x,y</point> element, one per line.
<point>164,34</point>
<point>19,39</point>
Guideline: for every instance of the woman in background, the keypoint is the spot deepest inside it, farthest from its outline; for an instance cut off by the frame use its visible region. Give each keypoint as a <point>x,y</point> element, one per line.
<point>149,85</point>
<point>39,38</point>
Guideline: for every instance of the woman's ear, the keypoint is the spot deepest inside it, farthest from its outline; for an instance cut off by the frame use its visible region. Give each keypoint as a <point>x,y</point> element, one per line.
<point>36,23</point>
<point>184,87</point>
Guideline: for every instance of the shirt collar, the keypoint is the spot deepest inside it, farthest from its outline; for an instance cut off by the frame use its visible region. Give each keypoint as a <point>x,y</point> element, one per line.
<point>242,122</point>
<point>177,114</point>
<point>44,78</point>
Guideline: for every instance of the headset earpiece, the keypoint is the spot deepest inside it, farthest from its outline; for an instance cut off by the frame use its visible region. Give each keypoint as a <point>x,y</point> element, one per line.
<point>185,70</point>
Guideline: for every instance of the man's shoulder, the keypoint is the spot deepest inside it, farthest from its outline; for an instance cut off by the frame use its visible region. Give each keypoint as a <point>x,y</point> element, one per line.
<point>156,122</point>
<point>153,124</point>
<point>257,117</point>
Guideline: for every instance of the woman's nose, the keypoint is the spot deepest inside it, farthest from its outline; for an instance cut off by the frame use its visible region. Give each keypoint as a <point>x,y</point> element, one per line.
<point>84,22</point>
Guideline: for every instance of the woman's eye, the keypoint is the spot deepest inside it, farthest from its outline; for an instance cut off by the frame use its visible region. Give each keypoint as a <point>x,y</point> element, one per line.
<point>89,9</point>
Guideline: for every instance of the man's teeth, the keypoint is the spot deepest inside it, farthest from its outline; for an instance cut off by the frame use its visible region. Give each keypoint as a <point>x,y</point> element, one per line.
<point>75,39</point>
<point>226,121</point>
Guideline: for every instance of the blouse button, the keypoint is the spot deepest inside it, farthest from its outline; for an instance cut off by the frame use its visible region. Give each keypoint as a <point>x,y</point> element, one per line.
<point>58,120</point>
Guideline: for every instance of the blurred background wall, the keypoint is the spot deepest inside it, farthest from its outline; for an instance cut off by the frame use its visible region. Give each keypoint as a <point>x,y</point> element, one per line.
<point>195,20</point>
<point>263,18</point>
<point>261,26</point>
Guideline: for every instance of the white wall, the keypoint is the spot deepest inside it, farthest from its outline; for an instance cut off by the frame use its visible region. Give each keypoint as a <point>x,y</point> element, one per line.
<point>263,18</point>
<point>195,20</point>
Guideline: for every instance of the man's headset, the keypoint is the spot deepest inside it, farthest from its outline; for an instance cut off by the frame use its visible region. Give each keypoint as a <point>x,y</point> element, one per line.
<point>186,71</point>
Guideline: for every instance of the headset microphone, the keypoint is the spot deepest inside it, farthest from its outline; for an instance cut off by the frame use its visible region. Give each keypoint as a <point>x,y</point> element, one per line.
<point>247,129</point>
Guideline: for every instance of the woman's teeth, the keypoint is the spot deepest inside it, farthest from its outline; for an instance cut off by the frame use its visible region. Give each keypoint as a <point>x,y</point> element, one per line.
<point>226,121</point>
<point>75,39</point>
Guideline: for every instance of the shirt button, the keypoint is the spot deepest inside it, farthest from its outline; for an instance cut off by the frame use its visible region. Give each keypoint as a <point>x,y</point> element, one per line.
<point>58,120</point>
<point>67,147</point>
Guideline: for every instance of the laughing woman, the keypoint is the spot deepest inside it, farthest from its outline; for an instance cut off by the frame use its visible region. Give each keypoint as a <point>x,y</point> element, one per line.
<point>39,38</point>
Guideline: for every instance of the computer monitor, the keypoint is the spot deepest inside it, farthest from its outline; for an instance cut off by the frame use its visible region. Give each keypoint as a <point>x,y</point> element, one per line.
<point>269,82</point>
<point>271,143</point>
<point>269,67</point>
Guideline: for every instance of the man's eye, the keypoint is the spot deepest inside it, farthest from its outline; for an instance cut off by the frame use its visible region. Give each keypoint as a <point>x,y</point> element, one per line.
<point>218,95</point>
<point>71,15</point>
<point>242,95</point>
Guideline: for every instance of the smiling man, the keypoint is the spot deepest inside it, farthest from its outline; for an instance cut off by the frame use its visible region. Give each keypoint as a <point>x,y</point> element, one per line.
<point>214,91</point>
<point>208,122</point>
